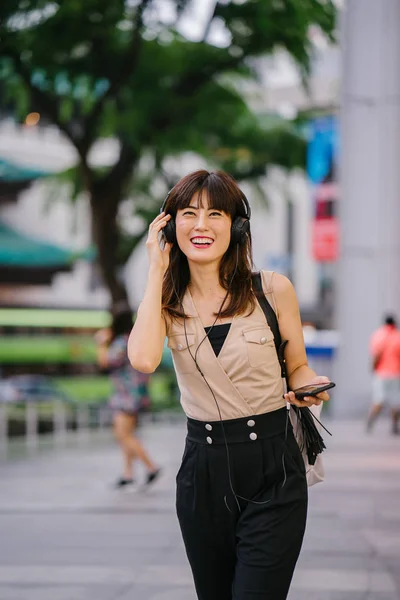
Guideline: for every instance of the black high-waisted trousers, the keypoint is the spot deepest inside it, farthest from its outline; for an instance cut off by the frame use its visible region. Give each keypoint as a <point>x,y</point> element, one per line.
<point>237,549</point>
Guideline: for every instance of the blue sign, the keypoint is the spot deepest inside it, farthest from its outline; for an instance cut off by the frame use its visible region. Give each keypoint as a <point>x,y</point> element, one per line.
<point>322,148</point>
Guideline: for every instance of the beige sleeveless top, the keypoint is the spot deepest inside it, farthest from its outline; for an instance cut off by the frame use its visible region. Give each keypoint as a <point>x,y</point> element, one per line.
<point>245,377</point>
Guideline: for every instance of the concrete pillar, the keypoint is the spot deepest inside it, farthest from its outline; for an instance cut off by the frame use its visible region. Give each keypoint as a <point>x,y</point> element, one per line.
<point>369,267</point>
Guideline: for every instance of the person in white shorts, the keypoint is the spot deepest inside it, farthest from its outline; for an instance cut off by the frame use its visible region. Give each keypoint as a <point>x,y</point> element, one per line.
<point>385,352</point>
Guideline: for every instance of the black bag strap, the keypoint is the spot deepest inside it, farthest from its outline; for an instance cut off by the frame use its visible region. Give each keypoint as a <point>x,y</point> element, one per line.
<point>311,438</point>
<point>272,321</point>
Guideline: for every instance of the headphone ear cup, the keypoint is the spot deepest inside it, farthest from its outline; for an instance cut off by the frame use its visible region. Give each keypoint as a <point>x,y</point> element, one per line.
<point>239,230</point>
<point>169,231</point>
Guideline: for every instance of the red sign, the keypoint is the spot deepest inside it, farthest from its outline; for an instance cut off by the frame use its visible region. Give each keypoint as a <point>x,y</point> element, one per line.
<point>325,239</point>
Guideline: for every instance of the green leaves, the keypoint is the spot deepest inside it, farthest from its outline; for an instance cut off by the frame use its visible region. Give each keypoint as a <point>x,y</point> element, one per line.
<point>261,27</point>
<point>123,69</point>
<point>93,62</point>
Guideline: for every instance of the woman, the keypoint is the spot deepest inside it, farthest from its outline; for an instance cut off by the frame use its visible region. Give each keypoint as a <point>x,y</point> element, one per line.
<point>129,396</point>
<point>241,488</point>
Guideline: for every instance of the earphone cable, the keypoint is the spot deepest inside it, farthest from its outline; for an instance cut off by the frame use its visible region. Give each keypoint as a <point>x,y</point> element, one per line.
<point>194,358</point>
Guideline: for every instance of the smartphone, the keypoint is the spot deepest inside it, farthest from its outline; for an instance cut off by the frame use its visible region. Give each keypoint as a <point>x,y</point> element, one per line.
<point>313,389</point>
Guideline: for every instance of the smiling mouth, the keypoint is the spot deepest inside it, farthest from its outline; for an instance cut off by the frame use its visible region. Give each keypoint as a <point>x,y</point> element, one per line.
<point>202,242</point>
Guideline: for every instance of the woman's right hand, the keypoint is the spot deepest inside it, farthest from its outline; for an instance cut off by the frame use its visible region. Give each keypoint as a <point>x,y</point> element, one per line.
<point>158,257</point>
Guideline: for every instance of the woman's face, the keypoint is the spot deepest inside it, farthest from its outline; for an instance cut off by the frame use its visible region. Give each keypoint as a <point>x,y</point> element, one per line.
<point>203,233</point>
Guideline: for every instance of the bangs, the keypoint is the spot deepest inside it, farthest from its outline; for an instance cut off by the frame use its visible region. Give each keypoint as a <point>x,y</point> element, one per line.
<point>218,188</point>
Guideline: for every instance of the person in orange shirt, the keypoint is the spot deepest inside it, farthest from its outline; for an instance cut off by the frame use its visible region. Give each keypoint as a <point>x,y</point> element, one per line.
<point>385,352</point>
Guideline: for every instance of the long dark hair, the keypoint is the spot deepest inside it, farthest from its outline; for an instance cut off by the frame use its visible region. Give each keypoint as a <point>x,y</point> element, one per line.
<point>236,265</point>
<point>122,323</point>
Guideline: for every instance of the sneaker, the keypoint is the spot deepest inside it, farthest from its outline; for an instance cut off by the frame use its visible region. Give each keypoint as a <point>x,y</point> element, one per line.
<point>124,483</point>
<point>151,477</point>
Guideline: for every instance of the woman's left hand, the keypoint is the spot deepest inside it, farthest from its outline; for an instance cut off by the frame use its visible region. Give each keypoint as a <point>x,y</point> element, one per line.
<point>310,400</point>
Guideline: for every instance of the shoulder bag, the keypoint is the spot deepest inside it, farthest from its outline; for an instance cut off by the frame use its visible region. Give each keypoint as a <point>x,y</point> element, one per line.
<point>306,432</point>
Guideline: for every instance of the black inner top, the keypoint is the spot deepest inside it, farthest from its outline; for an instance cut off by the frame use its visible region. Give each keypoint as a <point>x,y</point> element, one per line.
<point>217,336</point>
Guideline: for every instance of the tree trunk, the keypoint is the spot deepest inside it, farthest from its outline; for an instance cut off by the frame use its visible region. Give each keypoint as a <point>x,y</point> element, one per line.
<point>104,209</point>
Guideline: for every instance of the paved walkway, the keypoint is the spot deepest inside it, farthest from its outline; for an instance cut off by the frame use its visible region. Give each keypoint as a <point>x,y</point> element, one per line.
<point>65,534</point>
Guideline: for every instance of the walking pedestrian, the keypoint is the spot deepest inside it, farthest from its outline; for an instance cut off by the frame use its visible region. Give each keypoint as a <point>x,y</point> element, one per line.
<point>385,352</point>
<point>129,397</point>
<point>241,488</point>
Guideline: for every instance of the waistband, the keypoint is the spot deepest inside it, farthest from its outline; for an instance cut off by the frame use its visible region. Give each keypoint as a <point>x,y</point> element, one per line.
<point>240,430</point>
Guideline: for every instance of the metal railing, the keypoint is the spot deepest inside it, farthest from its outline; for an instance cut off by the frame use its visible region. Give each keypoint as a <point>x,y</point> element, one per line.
<point>37,406</point>
<point>30,406</point>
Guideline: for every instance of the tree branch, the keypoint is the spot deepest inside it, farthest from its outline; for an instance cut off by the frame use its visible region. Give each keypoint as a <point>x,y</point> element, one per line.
<point>130,64</point>
<point>127,159</point>
<point>192,81</point>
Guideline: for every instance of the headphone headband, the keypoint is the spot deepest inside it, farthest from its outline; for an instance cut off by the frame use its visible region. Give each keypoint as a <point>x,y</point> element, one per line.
<point>165,201</point>
<point>247,206</point>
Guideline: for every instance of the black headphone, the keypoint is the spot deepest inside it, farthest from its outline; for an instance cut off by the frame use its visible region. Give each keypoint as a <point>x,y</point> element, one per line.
<point>239,229</point>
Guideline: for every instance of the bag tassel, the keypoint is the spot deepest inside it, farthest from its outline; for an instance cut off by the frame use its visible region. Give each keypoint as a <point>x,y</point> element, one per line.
<point>312,440</point>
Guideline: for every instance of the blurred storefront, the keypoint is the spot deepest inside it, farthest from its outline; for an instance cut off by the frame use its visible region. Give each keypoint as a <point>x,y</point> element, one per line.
<point>322,158</point>
<point>46,259</point>
<point>25,260</point>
